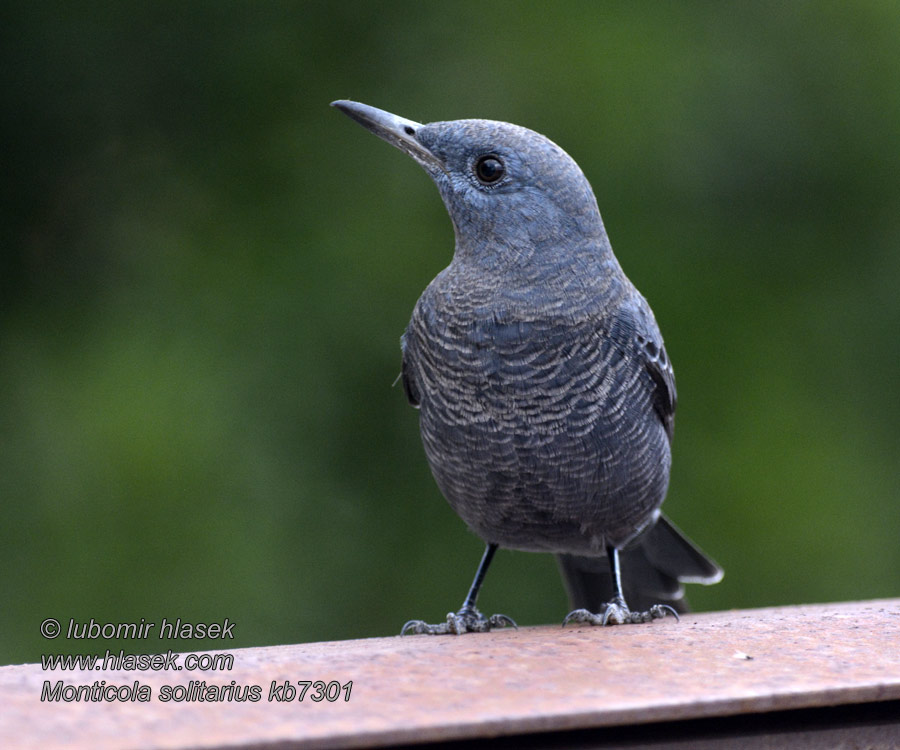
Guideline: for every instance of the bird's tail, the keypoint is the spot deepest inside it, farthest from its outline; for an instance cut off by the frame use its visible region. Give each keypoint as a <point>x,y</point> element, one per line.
<point>653,571</point>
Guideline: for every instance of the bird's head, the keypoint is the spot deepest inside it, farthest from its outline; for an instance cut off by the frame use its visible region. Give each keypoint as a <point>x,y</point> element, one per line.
<point>512,194</point>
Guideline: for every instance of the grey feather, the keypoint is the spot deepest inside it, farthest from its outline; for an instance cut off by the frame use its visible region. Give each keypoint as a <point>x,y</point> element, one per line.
<point>545,392</point>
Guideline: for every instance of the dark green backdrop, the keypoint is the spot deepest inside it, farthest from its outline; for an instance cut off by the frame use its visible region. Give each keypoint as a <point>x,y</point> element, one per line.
<point>205,272</point>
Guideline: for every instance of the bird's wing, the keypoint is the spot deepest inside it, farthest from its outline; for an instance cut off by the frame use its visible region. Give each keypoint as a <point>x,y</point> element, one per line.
<point>635,330</point>
<point>660,369</point>
<point>407,376</point>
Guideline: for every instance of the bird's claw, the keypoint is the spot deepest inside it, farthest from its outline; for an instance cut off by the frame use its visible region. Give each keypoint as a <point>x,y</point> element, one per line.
<point>457,623</point>
<point>616,612</point>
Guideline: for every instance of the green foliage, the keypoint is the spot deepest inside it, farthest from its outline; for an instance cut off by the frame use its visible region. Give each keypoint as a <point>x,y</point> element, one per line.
<point>204,273</point>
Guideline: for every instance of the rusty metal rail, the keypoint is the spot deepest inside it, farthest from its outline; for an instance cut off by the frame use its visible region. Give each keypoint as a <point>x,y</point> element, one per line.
<point>738,675</point>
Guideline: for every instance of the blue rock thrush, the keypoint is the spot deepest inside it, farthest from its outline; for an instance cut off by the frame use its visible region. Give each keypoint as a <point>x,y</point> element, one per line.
<point>545,394</point>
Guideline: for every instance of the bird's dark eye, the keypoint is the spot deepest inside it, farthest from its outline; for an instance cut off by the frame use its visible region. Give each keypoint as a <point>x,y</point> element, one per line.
<point>489,169</point>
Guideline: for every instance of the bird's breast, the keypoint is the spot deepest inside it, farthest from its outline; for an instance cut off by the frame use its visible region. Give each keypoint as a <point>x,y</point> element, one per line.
<point>552,376</point>
<point>524,417</point>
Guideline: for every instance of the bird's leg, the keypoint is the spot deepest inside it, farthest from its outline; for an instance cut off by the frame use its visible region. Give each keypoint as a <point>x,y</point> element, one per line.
<point>616,611</point>
<point>468,619</point>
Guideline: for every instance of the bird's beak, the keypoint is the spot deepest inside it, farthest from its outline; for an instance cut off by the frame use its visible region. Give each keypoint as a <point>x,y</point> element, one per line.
<point>398,131</point>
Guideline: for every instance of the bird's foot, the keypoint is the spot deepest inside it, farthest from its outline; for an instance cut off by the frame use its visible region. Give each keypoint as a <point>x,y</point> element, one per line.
<point>616,612</point>
<point>464,621</point>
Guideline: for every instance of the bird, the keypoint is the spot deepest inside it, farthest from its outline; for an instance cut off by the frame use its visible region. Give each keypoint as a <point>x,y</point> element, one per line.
<point>546,395</point>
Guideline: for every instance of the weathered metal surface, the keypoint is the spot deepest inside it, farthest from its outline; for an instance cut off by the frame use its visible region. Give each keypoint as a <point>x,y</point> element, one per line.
<point>421,688</point>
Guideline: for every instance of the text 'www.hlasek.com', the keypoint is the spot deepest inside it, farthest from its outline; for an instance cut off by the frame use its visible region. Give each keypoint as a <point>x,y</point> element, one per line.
<point>200,689</point>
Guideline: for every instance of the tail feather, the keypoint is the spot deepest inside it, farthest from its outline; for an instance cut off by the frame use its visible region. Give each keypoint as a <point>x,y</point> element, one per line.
<point>653,571</point>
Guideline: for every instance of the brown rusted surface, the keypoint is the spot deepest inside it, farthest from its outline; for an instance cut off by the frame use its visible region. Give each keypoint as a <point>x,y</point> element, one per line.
<point>421,688</point>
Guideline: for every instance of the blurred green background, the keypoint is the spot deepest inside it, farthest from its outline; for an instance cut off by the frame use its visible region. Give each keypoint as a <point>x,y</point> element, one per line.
<point>205,272</point>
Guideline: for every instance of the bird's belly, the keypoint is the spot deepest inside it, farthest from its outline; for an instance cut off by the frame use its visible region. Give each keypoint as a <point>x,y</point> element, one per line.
<point>558,469</point>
